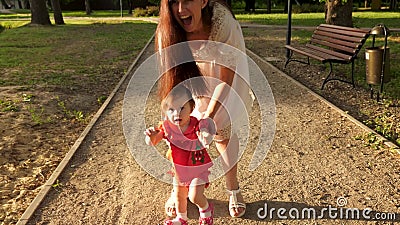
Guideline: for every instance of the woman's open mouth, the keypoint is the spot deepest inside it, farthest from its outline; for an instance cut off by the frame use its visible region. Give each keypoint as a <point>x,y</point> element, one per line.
<point>186,20</point>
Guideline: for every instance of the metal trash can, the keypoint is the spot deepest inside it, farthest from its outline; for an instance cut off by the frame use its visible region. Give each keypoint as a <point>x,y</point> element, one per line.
<point>373,65</point>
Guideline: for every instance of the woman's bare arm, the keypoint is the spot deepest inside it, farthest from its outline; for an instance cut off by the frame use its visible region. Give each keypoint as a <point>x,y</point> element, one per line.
<point>220,92</point>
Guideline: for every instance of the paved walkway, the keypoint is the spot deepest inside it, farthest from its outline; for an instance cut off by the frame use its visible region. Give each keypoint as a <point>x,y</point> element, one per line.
<point>314,162</point>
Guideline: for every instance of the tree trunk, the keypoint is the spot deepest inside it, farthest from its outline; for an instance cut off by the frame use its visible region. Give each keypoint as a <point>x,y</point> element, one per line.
<point>375,5</point>
<point>141,4</point>
<point>393,5</point>
<point>39,13</point>
<point>58,17</point>
<point>269,5</point>
<point>26,4</point>
<point>87,7</point>
<point>285,9</point>
<point>5,5</point>
<point>249,5</point>
<point>339,13</point>
<point>130,7</point>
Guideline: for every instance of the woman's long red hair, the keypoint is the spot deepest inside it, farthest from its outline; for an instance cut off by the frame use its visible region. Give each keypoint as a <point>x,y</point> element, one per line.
<point>169,33</point>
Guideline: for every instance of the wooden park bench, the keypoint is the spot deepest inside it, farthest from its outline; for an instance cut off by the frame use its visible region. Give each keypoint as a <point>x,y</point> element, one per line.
<point>332,44</point>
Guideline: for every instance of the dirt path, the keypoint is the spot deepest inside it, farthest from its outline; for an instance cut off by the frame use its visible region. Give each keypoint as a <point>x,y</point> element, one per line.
<point>314,161</point>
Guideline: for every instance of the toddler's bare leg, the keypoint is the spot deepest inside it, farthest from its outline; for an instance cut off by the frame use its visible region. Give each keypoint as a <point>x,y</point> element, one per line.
<point>180,194</point>
<point>196,193</point>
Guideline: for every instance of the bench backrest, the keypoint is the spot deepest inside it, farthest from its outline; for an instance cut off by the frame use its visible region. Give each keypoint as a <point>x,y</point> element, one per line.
<point>345,42</point>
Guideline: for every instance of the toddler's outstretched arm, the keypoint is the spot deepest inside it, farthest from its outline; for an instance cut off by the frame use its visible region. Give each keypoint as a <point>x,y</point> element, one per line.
<point>153,136</point>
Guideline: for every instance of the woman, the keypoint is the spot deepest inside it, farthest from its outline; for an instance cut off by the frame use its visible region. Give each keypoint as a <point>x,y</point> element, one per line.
<point>208,20</point>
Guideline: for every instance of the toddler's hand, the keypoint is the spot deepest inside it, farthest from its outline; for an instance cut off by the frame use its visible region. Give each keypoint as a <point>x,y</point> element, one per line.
<point>151,136</point>
<point>150,131</point>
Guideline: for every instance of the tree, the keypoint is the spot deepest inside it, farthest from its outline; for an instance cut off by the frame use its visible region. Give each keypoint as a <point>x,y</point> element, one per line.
<point>269,4</point>
<point>39,13</point>
<point>25,4</point>
<point>140,4</point>
<point>87,7</point>
<point>339,12</point>
<point>376,5</point>
<point>58,18</point>
<point>250,5</point>
<point>20,4</point>
<point>130,7</point>
<point>393,5</point>
<point>5,4</point>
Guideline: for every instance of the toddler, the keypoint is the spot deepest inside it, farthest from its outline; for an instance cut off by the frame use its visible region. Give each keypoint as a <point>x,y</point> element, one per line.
<point>187,138</point>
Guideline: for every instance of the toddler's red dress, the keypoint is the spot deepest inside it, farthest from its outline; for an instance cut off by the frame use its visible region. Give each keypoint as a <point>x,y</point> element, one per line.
<point>190,158</point>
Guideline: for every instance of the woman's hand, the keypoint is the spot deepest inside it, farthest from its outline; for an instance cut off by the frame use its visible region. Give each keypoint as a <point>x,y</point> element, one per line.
<point>206,131</point>
<point>205,138</point>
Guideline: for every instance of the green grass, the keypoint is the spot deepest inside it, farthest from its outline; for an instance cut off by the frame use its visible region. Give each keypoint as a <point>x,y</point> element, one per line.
<point>360,19</point>
<point>70,54</point>
<point>25,14</point>
<point>22,17</point>
<point>9,24</point>
<point>16,14</point>
<point>27,51</point>
<point>308,19</point>
<point>370,19</point>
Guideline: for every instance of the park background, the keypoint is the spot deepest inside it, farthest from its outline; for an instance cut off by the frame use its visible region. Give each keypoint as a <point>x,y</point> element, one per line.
<point>53,79</point>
